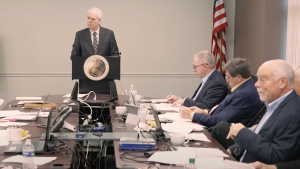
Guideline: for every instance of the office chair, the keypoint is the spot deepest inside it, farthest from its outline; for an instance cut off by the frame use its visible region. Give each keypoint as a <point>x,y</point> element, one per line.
<point>256,118</point>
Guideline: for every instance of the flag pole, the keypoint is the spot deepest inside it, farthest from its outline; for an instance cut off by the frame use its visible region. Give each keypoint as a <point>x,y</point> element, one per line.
<point>221,57</point>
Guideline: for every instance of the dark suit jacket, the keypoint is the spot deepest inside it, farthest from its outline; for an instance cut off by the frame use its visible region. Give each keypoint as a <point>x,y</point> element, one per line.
<point>289,165</point>
<point>239,107</point>
<point>212,93</point>
<point>279,138</point>
<point>107,45</point>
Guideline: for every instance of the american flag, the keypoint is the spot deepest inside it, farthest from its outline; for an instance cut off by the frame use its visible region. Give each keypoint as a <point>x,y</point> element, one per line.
<point>218,33</point>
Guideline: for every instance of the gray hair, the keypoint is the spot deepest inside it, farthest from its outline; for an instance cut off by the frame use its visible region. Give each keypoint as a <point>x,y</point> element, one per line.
<point>238,66</point>
<point>206,57</point>
<point>96,11</point>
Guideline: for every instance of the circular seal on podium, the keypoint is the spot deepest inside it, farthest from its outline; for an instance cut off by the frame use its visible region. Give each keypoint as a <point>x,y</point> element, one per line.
<point>96,67</point>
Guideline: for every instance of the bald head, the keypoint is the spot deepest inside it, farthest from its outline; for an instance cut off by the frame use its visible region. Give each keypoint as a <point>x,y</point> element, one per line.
<point>275,78</point>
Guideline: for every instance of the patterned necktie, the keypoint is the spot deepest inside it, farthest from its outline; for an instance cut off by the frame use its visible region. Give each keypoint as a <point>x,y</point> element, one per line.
<point>95,42</point>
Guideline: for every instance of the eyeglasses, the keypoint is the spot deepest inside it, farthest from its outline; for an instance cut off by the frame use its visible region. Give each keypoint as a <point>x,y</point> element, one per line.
<point>199,65</point>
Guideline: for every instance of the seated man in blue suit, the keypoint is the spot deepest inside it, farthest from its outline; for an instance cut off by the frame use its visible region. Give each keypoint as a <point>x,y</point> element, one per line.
<point>212,89</point>
<point>277,137</point>
<point>240,105</point>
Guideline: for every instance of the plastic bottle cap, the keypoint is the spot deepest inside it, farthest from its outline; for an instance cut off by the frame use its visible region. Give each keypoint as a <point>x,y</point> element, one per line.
<point>192,160</point>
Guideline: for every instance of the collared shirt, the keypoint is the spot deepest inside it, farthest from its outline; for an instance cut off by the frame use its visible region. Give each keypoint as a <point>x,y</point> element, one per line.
<point>238,85</point>
<point>203,81</point>
<point>92,35</point>
<point>271,107</point>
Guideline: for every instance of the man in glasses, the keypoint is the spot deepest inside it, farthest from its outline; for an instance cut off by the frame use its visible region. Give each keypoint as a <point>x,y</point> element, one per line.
<point>240,105</point>
<point>277,137</point>
<point>212,89</point>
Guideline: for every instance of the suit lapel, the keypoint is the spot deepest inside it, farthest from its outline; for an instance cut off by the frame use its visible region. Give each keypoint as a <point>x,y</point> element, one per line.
<point>206,84</point>
<point>101,37</point>
<point>89,40</point>
<point>278,110</point>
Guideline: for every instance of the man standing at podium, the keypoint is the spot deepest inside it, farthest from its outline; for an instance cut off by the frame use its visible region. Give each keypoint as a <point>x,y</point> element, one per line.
<point>94,40</point>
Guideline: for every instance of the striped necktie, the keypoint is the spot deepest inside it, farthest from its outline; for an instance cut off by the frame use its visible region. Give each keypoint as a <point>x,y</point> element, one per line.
<point>95,42</point>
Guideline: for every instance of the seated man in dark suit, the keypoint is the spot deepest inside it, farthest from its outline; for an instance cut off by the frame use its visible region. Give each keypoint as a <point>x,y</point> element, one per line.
<point>212,89</point>
<point>94,40</point>
<point>277,137</point>
<point>289,164</point>
<point>239,106</point>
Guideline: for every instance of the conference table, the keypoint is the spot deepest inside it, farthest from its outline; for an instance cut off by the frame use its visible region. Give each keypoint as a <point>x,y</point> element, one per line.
<point>66,159</point>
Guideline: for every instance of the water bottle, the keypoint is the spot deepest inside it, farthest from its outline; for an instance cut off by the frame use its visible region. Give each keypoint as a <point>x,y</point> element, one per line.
<point>191,165</point>
<point>28,155</point>
<point>132,93</point>
<point>142,112</point>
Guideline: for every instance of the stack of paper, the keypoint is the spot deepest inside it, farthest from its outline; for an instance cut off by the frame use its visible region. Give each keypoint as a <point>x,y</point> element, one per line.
<point>3,141</point>
<point>37,160</point>
<point>172,157</point>
<point>5,113</point>
<point>168,127</point>
<point>204,152</point>
<point>166,107</point>
<point>159,100</point>
<point>209,162</point>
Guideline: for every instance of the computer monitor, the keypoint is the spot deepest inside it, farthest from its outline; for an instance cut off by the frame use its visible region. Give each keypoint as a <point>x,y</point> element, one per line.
<point>113,91</point>
<point>74,93</point>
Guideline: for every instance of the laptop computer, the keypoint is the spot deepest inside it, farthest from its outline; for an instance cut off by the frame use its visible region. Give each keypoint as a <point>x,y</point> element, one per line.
<point>37,114</point>
<point>15,147</point>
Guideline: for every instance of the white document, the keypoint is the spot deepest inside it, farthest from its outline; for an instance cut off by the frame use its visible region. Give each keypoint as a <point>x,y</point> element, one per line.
<point>204,152</point>
<point>176,117</point>
<point>3,141</point>
<point>209,162</point>
<point>132,119</point>
<point>21,117</point>
<point>237,165</point>
<point>198,137</point>
<point>23,102</point>
<point>176,129</point>
<point>37,160</point>
<point>28,98</point>
<point>4,113</point>
<point>5,124</point>
<point>159,100</point>
<point>79,95</point>
<point>172,157</point>
<point>1,101</point>
<point>166,107</point>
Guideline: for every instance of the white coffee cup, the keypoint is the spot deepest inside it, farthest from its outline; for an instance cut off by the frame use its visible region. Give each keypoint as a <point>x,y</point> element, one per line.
<point>138,98</point>
<point>178,139</point>
<point>120,110</point>
<point>13,133</point>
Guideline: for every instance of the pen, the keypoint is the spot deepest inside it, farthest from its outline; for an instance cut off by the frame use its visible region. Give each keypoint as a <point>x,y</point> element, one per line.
<point>15,105</point>
<point>170,95</point>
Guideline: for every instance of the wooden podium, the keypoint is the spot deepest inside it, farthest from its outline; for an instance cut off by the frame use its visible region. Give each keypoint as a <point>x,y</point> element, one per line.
<point>102,86</point>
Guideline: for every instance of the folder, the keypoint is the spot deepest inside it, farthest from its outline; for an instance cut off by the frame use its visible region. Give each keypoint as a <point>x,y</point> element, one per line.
<point>38,105</point>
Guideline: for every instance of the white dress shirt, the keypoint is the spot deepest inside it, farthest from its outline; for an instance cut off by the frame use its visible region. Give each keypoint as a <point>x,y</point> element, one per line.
<point>203,80</point>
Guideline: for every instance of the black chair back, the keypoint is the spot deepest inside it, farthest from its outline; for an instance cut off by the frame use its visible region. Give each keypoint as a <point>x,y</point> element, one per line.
<point>257,117</point>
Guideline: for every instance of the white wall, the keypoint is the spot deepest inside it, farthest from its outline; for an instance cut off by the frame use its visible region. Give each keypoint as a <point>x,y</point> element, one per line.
<point>157,39</point>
